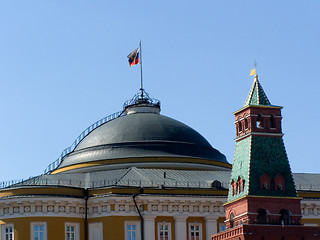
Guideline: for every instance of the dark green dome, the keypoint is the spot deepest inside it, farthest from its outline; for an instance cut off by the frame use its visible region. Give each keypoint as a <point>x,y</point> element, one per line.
<point>143,133</point>
<point>141,128</point>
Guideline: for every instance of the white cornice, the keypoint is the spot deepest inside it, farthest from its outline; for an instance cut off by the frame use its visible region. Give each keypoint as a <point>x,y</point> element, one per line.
<point>124,206</point>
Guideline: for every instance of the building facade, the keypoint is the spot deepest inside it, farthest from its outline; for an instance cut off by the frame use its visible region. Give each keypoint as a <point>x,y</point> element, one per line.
<point>139,175</point>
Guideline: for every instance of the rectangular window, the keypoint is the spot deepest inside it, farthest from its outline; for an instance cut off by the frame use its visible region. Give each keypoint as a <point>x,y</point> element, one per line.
<point>195,231</point>
<point>164,231</point>
<point>72,231</point>
<point>222,227</point>
<point>132,230</point>
<point>39,231</point>
<point>7,232</point>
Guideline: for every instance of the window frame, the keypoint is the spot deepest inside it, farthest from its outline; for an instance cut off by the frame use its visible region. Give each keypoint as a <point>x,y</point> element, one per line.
<point>3,232</point>
<point>44,224</point>
<point>195,224</point>
<point>76,230</point>
<point>169,229</point>
<point>138,229</point>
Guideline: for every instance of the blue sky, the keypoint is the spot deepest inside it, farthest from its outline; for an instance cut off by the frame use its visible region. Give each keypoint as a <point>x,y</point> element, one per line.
<point>63,66</point>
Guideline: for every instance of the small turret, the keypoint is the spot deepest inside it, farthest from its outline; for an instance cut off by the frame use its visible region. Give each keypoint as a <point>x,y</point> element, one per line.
<point>142,103</point>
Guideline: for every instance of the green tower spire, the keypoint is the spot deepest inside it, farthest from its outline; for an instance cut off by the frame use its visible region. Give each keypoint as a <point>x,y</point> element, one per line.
<point>256,95</point>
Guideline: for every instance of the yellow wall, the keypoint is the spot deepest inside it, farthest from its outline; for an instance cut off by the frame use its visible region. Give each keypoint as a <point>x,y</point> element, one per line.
<point>55,226</point>
<point>57,191</point>
<point>113,226</point>
<point>311,220</point>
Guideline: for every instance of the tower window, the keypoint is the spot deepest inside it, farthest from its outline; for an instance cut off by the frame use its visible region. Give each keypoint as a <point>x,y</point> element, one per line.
<point>265,182</point>
<point>240,126</point>
<point>262,217</point>
<point>240,185</point>
<point>285,218</point>
<point>232,220</point>
<point>272,122</point>
<point>245,123</point>
<point>233,185</point>
<point>279,182</point>
<point>259,121</point>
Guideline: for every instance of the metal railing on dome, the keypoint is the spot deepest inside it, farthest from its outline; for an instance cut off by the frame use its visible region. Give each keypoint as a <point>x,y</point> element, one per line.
<point>5,184</point>
<point>82,135</point>
<point>141,97</point>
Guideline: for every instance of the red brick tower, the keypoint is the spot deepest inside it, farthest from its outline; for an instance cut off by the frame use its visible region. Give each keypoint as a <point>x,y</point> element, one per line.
<point>262,202</point>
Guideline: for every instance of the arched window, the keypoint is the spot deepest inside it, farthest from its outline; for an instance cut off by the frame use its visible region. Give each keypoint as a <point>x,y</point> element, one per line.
<point>259,121</point>
<point>285,217</point>
<point>237,187</point>
<point>262,217</point>
<point>231,220</point>
<point>216,184</point>
<point>239,126</point>
<point>265,182</point>
<point>240,185</point>
<point>243,182</point>
<point>233,185</point>
<point>246,123</point>
<point>279,183</point>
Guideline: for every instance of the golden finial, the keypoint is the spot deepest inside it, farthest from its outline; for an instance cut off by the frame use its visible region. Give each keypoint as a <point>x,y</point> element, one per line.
<point>253,71</point>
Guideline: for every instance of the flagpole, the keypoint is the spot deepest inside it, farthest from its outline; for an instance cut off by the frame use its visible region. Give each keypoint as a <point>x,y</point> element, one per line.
<point>141,82</point>
<point>255,66</point>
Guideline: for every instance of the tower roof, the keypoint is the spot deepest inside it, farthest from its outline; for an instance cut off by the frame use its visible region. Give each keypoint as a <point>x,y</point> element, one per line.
<point>256,95</point>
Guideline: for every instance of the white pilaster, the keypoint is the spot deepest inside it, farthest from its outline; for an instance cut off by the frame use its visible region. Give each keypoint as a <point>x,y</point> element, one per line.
<point>180,227</point>
<point>211,227</point>
<point>149,228</point>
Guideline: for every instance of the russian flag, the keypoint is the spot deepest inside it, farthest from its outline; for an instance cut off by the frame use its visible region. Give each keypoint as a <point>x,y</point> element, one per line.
<point>134,57</point>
